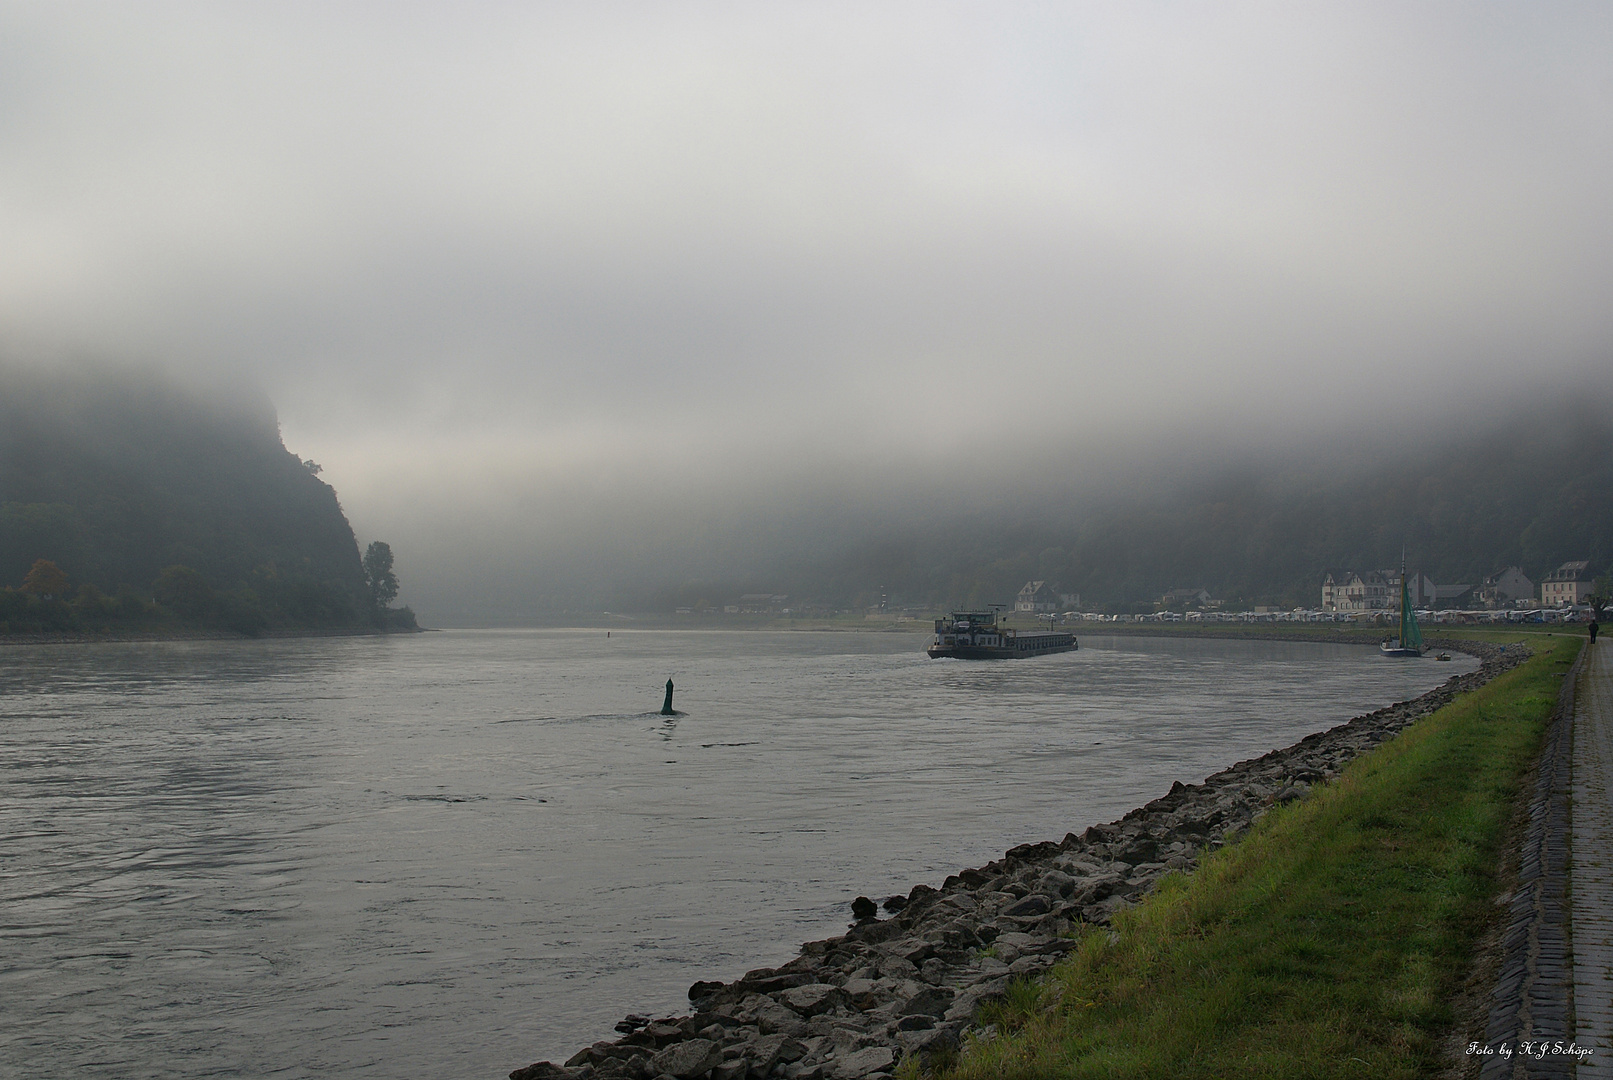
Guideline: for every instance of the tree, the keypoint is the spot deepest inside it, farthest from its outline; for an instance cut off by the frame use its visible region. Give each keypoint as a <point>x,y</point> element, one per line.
<point>45,580</point>
<point>183,590</point>
<point>378,572</point>
<point>1601,595</point>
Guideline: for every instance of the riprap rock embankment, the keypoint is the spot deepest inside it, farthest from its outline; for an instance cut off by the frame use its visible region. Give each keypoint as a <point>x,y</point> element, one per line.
<point>855,1005</point>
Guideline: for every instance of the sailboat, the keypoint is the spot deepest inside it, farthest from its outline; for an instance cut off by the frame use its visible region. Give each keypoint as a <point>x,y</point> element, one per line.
<point>1410,641</point>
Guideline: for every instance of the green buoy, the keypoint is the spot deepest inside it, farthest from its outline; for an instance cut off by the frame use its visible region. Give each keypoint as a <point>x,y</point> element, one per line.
<point>666,706</point>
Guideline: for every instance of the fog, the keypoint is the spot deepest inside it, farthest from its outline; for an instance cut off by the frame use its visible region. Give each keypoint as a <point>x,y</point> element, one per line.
<point>568,293</point>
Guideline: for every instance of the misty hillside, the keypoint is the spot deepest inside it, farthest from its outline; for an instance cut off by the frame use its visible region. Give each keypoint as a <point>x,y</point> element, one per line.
<point>115,476</point>
<point>1459,511</point>
<point>1263,531</point>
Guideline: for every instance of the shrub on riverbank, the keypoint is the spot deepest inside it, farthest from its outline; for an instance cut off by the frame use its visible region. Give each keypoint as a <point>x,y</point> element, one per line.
<point>1329,942</point>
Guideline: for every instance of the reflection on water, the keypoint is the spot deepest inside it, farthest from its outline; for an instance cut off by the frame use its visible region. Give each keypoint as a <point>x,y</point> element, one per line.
<point>451,854</point>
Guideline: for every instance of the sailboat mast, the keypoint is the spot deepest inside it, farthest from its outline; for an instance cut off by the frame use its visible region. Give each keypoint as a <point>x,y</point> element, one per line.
<point>1405,610</point>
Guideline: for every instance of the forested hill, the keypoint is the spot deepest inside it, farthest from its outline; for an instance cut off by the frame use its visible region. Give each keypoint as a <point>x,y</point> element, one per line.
<point>116,476</point>
<point>1464,503</point>
<point>1460,508</point>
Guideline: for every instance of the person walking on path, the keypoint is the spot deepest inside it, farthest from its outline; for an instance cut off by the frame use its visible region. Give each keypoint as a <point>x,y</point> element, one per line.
<point>1594,629</point>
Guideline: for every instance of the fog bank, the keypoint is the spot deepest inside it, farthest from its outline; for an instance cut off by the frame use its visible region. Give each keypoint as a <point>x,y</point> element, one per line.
<point>554,292</point>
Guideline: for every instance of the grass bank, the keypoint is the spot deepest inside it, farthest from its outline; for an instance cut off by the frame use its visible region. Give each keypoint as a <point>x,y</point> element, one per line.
<point>1329,942</point>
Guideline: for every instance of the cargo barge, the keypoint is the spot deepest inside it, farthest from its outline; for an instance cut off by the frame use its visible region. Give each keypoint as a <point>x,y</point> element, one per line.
<point>977,635</point>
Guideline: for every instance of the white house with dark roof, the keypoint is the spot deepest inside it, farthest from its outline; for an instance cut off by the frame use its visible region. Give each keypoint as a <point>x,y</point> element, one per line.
<point>1375,590</point>
<point>1037,596</point>
<point>1569,584</point>
<point>1367,590</point>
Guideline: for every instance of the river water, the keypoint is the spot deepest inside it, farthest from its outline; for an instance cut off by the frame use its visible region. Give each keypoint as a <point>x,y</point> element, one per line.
<point>448,855</point>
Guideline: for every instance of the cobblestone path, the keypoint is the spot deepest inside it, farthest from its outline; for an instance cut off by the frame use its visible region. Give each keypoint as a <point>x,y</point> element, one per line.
<point>1591,877</point>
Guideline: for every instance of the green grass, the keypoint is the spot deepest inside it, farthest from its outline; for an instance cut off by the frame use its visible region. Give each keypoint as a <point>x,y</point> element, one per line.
<point>1327,943</point>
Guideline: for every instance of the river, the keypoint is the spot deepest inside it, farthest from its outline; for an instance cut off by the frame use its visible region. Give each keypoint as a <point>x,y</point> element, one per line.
<point>447,855</point>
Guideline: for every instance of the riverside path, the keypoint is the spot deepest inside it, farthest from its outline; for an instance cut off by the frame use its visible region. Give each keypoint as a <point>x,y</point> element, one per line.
<point>1591,875</point>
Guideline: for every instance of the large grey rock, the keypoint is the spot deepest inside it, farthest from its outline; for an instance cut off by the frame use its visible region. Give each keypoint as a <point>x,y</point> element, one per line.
<point>1021,942</point>
<point>902,989</point>
<point>845,1040</point>
<point>600,1051</point>
<point>812,999</point>
<point>1034,904</point>
<point>1055,883</point>
<point>920,951</point>
<point>873,932</point>
<point>774,1019</point>
<point>690,1058</point>
<point>769,981</point>
<point>663,1032</point>
<point>1103,909</point>
<point>815,1046</point>
<point>964,1005</point>
<point>543,1070</point>
<point>923,1043</point>
<point>866,1062</point>
<point>865,994</point>
<point>698,992</point>
<point>771,1050</point>
<point>1096,889</point>
<point>931,1002</point>
<point>1034,964</point>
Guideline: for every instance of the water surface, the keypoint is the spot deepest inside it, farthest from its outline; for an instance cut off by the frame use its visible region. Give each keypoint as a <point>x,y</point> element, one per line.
<point>451,854</point>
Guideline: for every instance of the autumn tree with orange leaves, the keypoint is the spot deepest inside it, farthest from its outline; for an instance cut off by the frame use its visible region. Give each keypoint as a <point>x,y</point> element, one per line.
<point>45,580</point>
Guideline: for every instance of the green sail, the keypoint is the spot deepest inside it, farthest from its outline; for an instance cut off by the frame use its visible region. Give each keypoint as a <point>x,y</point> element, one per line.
<point>1410,636</point>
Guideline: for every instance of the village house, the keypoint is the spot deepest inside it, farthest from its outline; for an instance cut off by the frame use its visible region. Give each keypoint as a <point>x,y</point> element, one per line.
<point>1349,590</point>
<point>1504,588</point>
<point>1569,584</point>
<point>1453,597</point>
<point>1037,596</point>
<point>1332,588</point>
<point>1375,590</point>
<point>1186,598</point>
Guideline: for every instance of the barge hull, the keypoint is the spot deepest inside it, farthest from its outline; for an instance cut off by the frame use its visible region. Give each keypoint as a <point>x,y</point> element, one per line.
<point>989,652</point>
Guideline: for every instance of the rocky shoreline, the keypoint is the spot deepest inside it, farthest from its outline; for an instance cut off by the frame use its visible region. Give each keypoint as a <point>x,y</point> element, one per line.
<point>910,984</point>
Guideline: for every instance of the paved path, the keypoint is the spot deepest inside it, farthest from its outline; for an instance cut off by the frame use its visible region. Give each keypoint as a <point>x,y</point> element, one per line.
<point>1591,874</point>
<point>1532,1015</point>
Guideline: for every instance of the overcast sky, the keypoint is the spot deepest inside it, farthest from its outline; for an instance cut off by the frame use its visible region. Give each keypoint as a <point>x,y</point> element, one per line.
<point>519,256</point>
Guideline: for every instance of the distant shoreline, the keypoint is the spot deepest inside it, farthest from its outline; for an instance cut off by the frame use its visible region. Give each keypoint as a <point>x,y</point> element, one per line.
<point>196,635</point>
<point>1317,633</point>
<point>1314,634</point>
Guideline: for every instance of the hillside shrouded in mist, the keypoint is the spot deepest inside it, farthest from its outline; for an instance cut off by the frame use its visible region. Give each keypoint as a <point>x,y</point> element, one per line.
<point>603,304</point>
<point>1461,502</point>
<point>115,476</point>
